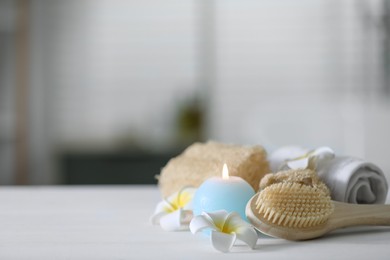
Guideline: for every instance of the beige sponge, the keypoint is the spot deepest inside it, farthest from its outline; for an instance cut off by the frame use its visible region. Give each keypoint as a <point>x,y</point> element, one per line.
<point>201,161</point>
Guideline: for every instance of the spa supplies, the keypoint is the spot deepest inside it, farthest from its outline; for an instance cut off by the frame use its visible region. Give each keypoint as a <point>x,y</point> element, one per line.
<point>349,179</point>
<point>297,212</point>
<point>229,193</point>
<point>201,161</point>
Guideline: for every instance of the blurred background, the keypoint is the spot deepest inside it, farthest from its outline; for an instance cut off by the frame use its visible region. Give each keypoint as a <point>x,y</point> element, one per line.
<point>106,91</point>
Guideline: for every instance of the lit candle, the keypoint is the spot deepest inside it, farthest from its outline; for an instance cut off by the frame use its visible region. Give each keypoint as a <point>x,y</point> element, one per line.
<point>230,193</point>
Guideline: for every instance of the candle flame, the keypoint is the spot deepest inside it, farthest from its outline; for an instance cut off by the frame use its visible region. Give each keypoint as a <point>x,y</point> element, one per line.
<point>225,172</point>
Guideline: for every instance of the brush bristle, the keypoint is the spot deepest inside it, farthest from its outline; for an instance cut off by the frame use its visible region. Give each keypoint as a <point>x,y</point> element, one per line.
<point>294,205</point>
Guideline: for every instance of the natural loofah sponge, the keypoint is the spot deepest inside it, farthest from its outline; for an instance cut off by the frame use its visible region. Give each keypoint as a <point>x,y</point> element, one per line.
<point>201,161</point>
<point>306,177</point>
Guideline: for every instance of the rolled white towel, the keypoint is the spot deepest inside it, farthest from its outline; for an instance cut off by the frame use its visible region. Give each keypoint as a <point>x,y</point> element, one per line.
<point>350,179</point>
<point>354,180</point>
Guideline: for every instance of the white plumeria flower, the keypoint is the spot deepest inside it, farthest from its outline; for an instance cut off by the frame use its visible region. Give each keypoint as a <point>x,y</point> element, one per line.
<point>225,229</point>
<point>312,160</point>
<point>175,212</point>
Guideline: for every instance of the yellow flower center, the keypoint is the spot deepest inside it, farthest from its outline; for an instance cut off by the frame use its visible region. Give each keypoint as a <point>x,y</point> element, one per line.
<point>225,227</point>
<point>178,202</point>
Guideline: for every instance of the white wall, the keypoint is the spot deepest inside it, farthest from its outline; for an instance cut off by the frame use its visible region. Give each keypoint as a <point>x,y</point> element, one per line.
<point>113,66</point>
<point>105,71</point>
<point>301,71</point>
<point>305,72</point>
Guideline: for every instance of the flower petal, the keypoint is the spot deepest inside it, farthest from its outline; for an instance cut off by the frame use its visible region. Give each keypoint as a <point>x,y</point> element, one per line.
<point>180,199</point>
<point>324,151</point>
<point>163,206</point>
<point>298,164</point>
<point>312,159</point>
<point>234,221</point>
<point>201,222</point>
<point>244,231</point>
<point>191,193</point>
<point>218,218</point>
<point>172,221</point>
<point>248,235</point>
<point>155,219</point>
<point>171,198</point>
<point>321,156</point>
<point>184,197</point>
<point>221,241</point>
<point>174,213</point>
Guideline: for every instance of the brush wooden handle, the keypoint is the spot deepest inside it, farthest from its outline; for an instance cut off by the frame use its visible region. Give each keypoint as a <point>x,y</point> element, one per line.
<point>346,215</point>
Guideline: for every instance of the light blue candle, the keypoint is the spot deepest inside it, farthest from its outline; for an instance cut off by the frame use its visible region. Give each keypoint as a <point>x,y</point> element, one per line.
<point>230,193</point>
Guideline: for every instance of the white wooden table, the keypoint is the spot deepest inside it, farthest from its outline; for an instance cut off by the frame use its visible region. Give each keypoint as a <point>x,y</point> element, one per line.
<point>112,222</point>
